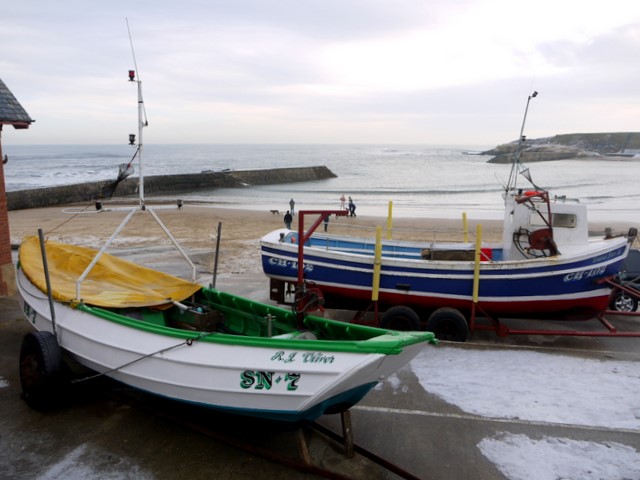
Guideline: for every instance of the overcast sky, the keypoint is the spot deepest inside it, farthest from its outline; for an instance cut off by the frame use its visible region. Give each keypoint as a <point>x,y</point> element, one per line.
<point>454,72</point>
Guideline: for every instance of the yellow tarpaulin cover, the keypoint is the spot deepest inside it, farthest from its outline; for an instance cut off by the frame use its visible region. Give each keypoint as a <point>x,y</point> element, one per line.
<point>113,282</point>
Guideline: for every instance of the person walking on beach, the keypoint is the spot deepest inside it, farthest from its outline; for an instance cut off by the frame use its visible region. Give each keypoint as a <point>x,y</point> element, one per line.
<point>342,203</point>
<point>326,222</point>
<point>292,204</point>
<point>352,208</point>
<point>287,220</point>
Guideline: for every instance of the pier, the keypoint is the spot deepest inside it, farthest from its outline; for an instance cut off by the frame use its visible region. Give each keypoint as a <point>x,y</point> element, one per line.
<point>165,184</point>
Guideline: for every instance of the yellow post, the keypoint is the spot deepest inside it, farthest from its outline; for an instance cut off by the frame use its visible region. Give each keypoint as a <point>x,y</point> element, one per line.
<point>377,261</point>
<point>389,220</point>
<point>465,227</point>
<point>476,269</point>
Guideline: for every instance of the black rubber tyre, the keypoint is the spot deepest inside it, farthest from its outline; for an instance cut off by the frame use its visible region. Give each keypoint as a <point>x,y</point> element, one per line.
<point>400,318</point>
<point>448,324</point>
<point>623,302</point>
<point>41,371</point>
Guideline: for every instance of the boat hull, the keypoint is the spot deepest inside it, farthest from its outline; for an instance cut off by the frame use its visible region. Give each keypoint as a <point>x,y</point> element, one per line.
<point>568,286</point>
<point>275,379</point>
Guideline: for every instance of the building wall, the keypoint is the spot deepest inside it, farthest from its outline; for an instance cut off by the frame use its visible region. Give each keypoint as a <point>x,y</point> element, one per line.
<point>7,273</point>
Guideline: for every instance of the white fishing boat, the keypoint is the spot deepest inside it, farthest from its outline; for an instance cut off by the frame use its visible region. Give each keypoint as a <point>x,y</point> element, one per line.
<point>175,338</point>
<point>178,339</point>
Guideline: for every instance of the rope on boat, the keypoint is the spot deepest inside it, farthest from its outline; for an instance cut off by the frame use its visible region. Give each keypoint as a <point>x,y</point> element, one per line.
<point>188,341</point>
<point>74,213</point>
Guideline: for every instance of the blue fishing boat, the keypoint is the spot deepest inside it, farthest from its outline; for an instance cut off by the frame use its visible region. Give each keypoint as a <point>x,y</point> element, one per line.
<point>547,265</point>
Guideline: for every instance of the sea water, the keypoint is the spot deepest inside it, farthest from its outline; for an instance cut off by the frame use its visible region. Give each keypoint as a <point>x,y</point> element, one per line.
<point>420,180</point>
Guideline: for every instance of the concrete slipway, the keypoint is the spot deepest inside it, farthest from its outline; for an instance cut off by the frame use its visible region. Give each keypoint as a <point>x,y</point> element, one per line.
<point>99,437</point>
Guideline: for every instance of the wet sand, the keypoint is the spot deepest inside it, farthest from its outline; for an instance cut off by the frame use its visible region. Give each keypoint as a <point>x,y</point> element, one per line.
<point>195,228</point>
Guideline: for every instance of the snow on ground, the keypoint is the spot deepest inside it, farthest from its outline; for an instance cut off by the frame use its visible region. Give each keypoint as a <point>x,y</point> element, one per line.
<point>533,386</point>
<point>545,388</point>
<point>519,457</point>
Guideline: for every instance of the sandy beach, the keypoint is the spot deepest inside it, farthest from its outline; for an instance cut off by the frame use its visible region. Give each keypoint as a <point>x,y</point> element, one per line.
<point>195,228</point>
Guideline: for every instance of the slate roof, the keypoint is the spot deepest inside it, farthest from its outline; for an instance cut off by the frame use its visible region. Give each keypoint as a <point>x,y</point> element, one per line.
<point>11,112</point>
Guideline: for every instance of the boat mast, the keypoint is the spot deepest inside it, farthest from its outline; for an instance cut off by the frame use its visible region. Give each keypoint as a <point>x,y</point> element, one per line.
<point>142,117</point>
<point>141,124</point>
<point>513,176</point>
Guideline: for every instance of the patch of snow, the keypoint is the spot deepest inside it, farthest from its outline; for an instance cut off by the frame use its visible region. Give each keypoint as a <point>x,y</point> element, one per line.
<point>533,386</point>
<point>541,387</point>
<point>519,457</point>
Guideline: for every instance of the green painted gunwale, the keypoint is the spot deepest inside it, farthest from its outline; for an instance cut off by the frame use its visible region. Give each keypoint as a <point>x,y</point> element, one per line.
<point>365,339</point>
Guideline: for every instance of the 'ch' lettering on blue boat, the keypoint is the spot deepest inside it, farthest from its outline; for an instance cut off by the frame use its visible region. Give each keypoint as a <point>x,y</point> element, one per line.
<point>289,264</point>
<point>575,276</point>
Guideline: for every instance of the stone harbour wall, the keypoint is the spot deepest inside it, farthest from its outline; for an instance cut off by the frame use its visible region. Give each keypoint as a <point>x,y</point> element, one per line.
<point>164,184</point>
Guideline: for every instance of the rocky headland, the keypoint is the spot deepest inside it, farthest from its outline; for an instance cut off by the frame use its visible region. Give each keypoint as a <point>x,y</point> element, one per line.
<point>571,145</point>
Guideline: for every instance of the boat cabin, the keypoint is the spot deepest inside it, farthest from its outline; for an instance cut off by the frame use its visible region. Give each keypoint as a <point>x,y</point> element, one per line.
<point>536,226</point>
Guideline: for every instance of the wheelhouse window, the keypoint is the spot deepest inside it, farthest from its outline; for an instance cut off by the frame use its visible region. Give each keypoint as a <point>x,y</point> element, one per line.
<point>560,220</point>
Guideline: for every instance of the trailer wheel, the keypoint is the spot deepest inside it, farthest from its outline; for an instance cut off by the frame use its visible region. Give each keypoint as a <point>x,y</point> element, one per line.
<point>448,324</point>
<point>623,302</point>
<point>400,318</point>
<point>41,371</point>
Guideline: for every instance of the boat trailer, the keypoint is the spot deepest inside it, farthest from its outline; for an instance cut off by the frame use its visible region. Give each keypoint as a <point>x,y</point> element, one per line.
<point>603,317</point>
<point>624,301</point>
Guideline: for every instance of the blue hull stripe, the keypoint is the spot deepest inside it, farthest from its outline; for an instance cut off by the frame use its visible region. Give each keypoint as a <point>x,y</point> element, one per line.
<point>552,280</point>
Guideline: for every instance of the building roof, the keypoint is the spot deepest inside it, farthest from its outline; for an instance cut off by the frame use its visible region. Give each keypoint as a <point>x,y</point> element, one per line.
<point>11,112</point>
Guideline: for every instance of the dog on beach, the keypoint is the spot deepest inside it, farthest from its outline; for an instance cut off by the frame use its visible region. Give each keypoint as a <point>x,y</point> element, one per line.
<point>275,212</point>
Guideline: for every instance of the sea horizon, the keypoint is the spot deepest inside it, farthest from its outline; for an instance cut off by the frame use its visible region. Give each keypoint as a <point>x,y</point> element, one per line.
<point>421,180</point>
